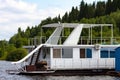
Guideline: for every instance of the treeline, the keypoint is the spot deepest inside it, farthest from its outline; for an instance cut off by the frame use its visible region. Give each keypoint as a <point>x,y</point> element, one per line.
<point>10,52</point>
<point>85,10</point>
<point>101,12</point>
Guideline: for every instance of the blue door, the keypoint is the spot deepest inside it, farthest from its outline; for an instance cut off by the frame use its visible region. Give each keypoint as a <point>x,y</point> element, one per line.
<point>117,59</point>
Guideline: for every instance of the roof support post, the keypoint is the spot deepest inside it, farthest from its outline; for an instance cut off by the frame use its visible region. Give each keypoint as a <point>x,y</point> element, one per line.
<point>41,35</point>
<point>101,34</point>
<point>111,34</point>
<point>91,34</point>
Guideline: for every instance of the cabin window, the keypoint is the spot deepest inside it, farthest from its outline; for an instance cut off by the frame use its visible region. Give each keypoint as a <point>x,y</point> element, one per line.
<point>85,53</point>
<point>82,53</point>
<point>67,53</point>
<point>56,53</point>
<point>112,54</point>
<point>104,54</point>
<point>107,54</point>
<point>88,53</point>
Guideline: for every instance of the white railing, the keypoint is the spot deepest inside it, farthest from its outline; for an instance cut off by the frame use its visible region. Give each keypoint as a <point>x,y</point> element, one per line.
<point>99,40</point>
<point>82,40</point>
<point>36,40</point>
<point>43,39</point>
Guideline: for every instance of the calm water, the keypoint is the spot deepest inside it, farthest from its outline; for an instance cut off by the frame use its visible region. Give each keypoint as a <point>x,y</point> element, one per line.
<point>4,65</point>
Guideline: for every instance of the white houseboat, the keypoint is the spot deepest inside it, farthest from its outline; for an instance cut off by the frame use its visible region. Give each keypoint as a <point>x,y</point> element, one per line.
<point>77,55</point>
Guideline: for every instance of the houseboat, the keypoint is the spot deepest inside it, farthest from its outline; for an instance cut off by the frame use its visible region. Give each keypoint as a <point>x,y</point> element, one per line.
<point>75,55</point>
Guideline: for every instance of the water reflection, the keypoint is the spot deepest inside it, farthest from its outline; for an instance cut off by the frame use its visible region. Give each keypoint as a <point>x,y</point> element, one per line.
<point>74,78</point>
<point>16,77</point>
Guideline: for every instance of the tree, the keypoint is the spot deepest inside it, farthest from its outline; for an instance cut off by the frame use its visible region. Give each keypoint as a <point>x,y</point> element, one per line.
<point>73,15</point>
<point>3,45</point>
<point>19,43</point>
<point>76,13</point>
<point>16,55</point>
<point>46,21</point>
<point>86,11</point>
<point>10,48</point>
<point>100,9</point>
<point>108,7</point>
<point>27,32</point>
<point>19,30</point>
<point>91,10</point>
<point>59,18</point>
<point>81,12</point>
<point>1,53</point>
<point>12,40</point>
<point>65,17</point>
<point>115,5</point>
<point>55,20</point>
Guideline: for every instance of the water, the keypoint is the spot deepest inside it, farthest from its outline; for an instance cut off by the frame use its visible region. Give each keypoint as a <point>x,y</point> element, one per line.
<point>4,65</point>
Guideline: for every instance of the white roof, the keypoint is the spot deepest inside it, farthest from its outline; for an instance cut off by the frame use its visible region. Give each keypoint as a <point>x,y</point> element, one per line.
<point>73,38</point>
<point>72,25</point>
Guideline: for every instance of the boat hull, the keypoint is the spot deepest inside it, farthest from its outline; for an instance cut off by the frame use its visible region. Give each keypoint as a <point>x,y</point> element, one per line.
<point>90,72</point>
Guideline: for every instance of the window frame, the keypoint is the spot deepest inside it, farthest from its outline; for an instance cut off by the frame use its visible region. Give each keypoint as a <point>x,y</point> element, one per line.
<point>57,56</point>
<point>85,53</point>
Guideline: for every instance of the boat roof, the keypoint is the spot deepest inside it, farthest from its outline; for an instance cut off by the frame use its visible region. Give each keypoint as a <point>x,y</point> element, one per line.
<point>73,25</point>
<point>74,36</point>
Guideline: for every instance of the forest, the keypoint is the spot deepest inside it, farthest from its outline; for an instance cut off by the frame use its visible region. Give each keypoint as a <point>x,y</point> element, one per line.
<point>100,12</point>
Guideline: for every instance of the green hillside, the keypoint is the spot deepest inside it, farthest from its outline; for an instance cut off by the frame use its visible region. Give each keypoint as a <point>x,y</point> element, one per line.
<point>21,38</point>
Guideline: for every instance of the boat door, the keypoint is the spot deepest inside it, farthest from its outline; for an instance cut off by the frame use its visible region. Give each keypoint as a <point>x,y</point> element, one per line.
<point>45,55</point>
<point>117,59</point>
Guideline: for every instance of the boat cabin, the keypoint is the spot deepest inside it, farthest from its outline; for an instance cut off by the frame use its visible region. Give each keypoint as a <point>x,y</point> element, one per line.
<point>75,53</point>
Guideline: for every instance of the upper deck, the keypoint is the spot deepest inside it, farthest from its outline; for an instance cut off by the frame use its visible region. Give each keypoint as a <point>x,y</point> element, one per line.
<point>76,36</point>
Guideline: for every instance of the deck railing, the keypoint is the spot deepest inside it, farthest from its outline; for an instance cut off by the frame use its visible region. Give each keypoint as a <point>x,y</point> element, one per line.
<point>36,41</point>
<point>98,40</point>
<point>84,40</point>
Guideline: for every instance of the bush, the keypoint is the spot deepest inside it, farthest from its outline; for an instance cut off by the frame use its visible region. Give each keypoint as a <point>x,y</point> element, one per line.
<point>16,55</point>
<point>0,52</point>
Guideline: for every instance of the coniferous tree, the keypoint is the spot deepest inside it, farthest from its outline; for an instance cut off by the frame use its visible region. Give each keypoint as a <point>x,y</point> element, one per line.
<point>108,7</point>
<point>55,20</point>
<point>118,4</point>
<point>46,21</point>
<point>76,13</point>
<point>100,9</point>
<point>27,32</point>
<point>72,15</point>
<point>115,5</point>
<point>81,12</point>
<point>59,18</point>
<point>65,17</point>
<point>86,11</point>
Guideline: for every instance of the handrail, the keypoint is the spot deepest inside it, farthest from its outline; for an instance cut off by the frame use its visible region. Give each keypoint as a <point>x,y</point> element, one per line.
<point>30,54</point>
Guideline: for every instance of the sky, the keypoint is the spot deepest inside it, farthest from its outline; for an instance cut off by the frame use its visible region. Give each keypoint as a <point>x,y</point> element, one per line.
<point>24,13</point>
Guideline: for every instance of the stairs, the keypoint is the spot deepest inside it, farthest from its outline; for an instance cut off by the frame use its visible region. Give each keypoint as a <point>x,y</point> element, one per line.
<point>33,58</point>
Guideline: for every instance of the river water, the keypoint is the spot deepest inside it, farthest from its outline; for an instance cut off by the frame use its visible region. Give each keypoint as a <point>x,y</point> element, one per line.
<point>4,65</point>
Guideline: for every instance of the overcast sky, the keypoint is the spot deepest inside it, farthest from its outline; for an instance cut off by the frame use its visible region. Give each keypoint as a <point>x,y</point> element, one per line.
<point>23,13</point>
